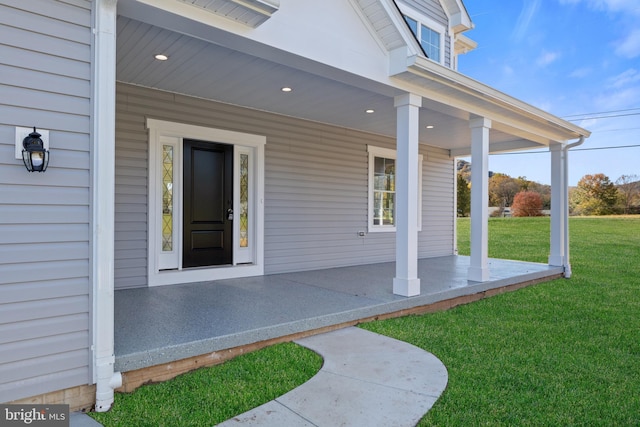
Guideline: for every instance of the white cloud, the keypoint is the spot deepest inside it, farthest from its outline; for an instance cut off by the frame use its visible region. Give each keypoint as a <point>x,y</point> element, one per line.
<point>524,19</point>
<point>619,92</point>
<point>507,70</point>
<point>547,58</point>
<point>631,6</point>
<point>627,6</point>
<point>625,79</point>
<point>618,99</point>
<point>629,47</point>
<point>580,72</point>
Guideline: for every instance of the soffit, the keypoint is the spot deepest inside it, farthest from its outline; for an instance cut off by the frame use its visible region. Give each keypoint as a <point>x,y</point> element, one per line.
<point>249,12</point>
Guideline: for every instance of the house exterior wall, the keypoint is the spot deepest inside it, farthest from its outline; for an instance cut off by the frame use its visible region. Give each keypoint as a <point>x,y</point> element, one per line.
<point>45,72</point>
<point>433,9</point>
<point>315,186</point>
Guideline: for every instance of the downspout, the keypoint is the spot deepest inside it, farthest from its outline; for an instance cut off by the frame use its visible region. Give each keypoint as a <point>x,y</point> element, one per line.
<point>103,201</point>
<point>565,215</point>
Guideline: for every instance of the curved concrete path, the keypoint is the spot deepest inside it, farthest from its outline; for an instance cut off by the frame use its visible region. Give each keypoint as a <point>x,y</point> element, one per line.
<point>366,380</point>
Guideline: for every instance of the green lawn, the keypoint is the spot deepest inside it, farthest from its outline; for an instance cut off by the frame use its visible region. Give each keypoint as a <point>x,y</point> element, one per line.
<point>209,396</point>
<point>566,352</point>
<point>561,353</point>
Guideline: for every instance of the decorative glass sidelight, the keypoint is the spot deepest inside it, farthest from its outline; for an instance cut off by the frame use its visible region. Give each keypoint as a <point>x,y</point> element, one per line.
<point>244,200</point>
<point>167,197</point>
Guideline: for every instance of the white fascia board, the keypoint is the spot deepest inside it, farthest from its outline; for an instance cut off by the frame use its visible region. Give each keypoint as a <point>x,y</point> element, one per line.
<point>483,96</point>
<point>500,147</point>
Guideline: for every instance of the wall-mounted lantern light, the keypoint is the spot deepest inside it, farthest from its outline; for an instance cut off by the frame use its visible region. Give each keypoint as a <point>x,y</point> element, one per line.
<point>34,155</point>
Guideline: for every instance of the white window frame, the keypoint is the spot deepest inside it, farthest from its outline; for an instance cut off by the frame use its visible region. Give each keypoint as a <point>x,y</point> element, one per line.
<point>429,23</point>
<point>388,153</point>
<point>247,262</point>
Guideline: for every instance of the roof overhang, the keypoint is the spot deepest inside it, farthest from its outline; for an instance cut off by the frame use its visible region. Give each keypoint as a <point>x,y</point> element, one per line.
<point>249,12</point>
<point>249,73</point>
<point>459,19</point>
<point>508,114</point>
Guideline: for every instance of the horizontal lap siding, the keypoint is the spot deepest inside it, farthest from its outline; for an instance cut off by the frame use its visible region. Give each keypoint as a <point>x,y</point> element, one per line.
<point>315,186</point>
<point>131,198</point>
<point>44,218</point>
<point>437,235</point>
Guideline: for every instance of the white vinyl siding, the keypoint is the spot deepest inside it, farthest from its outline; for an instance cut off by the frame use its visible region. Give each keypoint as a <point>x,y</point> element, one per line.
<point>45,305</point>
<point>315,186</point>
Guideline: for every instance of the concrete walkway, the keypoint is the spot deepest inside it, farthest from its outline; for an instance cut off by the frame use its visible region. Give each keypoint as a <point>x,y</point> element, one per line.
<point>366,380</point>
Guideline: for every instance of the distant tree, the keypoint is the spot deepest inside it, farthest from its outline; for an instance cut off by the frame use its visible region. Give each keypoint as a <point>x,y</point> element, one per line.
<point>464,168</point>
<point>629,192</point>
<point>464,196</point>
<point>502,189</point>
<point>544,191</point>
<point>594,195</point>
<point>527,203</point>
<point>523,183</point>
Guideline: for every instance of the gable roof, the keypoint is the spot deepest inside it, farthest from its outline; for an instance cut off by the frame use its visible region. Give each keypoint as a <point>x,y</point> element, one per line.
<point>459,19</point>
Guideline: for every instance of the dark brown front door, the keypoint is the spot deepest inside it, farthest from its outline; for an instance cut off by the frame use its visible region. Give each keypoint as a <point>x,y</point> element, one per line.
<point>208,200</point>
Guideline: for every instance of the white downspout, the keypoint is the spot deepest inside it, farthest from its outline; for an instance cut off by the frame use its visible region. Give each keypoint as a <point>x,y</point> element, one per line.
<point>565,214</point>
<point>103,201</point>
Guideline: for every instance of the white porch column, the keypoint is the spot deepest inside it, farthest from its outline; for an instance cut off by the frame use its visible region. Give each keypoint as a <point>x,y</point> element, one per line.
<point>406,282</point>
<point>558,201</point>
<point>103,202</point>
<point>479,268</point>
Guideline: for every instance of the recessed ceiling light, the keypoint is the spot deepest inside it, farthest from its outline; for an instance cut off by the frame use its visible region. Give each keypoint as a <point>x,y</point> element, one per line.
<point>429,126</point>
<point>161,57</point>
<point>370,111</point>
<point>286,89</point>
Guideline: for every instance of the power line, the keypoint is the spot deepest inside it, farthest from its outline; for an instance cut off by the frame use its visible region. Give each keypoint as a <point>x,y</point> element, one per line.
<point>604,117</point>
<point>574,150</point>
<point>601,112</point>
<point>617,130</point>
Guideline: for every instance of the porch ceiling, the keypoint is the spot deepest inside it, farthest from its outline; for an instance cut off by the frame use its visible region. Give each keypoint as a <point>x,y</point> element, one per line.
<point>200,67</point>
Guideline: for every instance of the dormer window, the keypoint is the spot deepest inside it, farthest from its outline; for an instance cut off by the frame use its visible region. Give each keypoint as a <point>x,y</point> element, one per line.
<point>429,38</point>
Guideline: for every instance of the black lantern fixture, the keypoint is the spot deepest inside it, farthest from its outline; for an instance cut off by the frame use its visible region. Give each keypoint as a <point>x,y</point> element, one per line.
<point>34,155</point>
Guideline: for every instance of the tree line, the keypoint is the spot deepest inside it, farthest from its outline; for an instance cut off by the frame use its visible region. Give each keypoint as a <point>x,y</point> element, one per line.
<point>594,194</point>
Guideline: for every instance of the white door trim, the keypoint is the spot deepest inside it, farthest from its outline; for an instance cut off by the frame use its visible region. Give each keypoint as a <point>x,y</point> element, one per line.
<point>161,130</point>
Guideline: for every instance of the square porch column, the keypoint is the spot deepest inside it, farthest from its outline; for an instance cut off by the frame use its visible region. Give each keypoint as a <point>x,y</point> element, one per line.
<point>406,282</point>
<point>559,194</point>
<point>479,268</point>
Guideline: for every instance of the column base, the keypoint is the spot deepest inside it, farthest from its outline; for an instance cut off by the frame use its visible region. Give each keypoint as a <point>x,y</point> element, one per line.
<point>556,260</point>
<point>406,287</point>
<point>477,274</point>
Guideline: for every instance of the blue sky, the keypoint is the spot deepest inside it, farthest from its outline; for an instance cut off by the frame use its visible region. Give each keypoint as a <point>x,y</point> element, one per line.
<point>577,59</point>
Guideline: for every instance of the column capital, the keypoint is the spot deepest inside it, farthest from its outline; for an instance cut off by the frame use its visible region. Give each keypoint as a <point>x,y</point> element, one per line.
<point>556,146</point>
<point>480,122</point>
<point>407,99</point>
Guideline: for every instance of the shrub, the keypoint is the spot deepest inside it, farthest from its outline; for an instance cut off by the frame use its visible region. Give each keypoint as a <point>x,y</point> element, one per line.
<point>527,203</point>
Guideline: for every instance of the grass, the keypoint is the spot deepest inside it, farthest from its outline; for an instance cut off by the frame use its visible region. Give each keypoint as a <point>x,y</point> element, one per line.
<point>209,396</point>
<point>566,352</point>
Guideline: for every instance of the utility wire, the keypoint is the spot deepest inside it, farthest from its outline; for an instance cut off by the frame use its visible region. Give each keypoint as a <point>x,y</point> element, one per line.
<point>601,112</point>
<point>574,150</point>
<point>604,117</point>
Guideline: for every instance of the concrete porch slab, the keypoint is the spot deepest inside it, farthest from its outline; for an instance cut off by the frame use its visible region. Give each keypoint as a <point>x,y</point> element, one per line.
<point>159,325</point>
